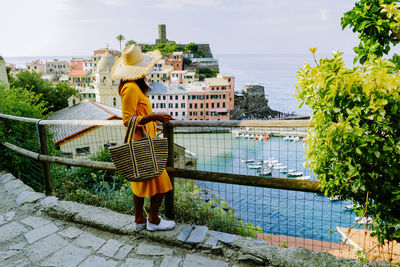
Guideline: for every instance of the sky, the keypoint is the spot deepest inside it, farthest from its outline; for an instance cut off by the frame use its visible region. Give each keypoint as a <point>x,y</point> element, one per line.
<point>77,27</point>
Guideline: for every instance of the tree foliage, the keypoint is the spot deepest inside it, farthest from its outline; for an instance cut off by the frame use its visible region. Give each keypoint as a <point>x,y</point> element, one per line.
<point>54,97</point>
<point>191,47</point>
<point>19,102</point>
<point>207,72</point>
<point>377,23</point>
<point>354,147</point>
<point>120,38</point>
<point>130,42</point>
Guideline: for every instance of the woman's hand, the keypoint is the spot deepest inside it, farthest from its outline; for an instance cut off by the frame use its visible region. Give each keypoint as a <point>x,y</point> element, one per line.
<point>159,116</point>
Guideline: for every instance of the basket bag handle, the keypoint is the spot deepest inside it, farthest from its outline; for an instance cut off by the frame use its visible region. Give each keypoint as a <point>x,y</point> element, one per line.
<point>130,131</point>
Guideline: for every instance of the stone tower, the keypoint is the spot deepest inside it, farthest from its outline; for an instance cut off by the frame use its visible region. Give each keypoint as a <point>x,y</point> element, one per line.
<point>162,34</point>
<point>3,72</point>
<point>105,87</point>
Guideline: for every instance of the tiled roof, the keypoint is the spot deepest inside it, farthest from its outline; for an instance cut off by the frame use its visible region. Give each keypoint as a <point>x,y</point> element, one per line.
<point>79,73</point>
<point>86,110</point>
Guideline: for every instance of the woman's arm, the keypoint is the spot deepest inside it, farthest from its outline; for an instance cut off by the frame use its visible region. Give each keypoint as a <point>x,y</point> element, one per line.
<point>161,117</point>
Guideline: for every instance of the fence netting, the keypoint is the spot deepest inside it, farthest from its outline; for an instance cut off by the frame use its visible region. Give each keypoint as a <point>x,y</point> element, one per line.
<point>280,217</point>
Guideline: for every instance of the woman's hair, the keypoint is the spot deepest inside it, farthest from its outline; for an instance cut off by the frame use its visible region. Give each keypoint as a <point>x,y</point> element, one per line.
<point>139,81</point>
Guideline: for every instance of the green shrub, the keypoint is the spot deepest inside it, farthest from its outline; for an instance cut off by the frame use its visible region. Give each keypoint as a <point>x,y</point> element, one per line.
<point>354,147</point>
<point>108,189</point>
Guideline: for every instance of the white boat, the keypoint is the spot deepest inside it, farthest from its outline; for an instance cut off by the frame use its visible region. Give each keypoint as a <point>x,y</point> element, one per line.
<point>283,171</point>
<point>237,136</point>
<point>286,139</point>
<point>265,172</point>
<point>271,161</point>
<point>296,139</point>
<point>251,136</point>
<point>280,168</point>
<point>254,166</point>
<point>245,136</point>
<point>335,198</point>
<point>303,177</point>
<point>294,174</point>
<point>247,160</point>
<point>363,220</point>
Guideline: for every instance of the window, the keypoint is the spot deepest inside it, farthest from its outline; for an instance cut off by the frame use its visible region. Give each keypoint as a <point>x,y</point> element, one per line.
<point>195,113</point>
<point>190,113</point>
<point>176,105</point>
<point>163,97</point>
<point>176,97</point>
<point>206,113</point>
<point>159,97</point>
<point>176,113</point>
<point>182,105</point>
<point>152,105</point>
<point>217,104</point>
<point>170,97</point>
<point>201,113</point>
<point>170,105</point>
<point>206,105</point>
<point>171,113</point>
<point>201,105</point>
<point>183,113</point>
<point>191,105</point>
<point>229,79</point>
<point>152,97</point>
<point>223,96</point>
<point>183,97</point>
<point>206,96</point>
<point>212,105</point>
<point>195,105</point>
<point>156,105</point>
<point>83,150</point>
<point>223,104</point>
<point>114,101</point>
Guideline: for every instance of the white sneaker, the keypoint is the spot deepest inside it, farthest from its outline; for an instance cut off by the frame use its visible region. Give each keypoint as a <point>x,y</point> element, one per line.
<point>139,226</point>
<point>162,226</point>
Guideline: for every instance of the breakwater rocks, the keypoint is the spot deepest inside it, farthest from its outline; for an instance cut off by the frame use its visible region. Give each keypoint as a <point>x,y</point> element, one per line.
<point>36,230</point>
<point>252,104</point>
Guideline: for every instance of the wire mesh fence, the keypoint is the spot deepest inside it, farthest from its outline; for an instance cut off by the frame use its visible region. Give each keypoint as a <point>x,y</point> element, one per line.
<point>280,217</point>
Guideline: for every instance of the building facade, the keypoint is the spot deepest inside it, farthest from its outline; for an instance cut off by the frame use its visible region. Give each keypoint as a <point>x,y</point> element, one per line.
<point>169,99</point>
<point>58,67</point>
<point>80,79</point>
<point>175,60</point>
<point>106,88</point>
<point>37,66</point>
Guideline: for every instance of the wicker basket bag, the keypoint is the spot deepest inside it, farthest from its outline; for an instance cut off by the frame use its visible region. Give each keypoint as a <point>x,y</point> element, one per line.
<point>140,160</point>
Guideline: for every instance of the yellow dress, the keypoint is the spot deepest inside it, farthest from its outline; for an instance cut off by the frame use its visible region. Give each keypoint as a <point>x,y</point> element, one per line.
<point>135,103</point>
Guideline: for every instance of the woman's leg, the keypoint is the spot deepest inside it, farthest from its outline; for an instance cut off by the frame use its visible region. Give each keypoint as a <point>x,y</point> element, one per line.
<point>155,205</point>
<point>138,203</point>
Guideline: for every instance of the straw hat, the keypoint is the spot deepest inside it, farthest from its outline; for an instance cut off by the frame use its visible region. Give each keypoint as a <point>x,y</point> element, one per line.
<point>133,64</point>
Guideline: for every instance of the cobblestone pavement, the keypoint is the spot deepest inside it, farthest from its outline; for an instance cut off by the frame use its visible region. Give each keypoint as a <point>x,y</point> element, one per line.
<point>29,237</point>
<point>36,230</point>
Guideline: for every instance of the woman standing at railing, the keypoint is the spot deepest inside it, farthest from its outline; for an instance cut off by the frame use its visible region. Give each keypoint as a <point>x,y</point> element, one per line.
<point>131,69</point>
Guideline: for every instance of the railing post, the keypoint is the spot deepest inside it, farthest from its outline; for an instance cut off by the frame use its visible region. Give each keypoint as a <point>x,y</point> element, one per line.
<point>45,165</point>
<point>169,196</point>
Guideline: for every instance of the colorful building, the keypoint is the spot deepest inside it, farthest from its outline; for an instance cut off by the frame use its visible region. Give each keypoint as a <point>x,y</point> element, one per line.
<point>175,60</point>
<point>80,78</point>
<point>169,99</point>
<point>210,100</point>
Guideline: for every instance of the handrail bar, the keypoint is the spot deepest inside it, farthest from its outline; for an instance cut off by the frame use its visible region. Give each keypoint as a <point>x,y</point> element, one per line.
<point>248,180</point>
<point>176,123</point>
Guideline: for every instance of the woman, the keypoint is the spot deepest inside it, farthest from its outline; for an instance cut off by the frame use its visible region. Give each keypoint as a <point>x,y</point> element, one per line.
<point>131,69</point>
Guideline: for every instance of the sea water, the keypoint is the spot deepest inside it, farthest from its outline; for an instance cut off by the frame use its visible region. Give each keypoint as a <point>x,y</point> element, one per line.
<point>278,212</point>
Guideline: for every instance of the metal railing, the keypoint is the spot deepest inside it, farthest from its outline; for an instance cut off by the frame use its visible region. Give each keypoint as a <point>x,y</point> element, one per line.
<point>285,207</point>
